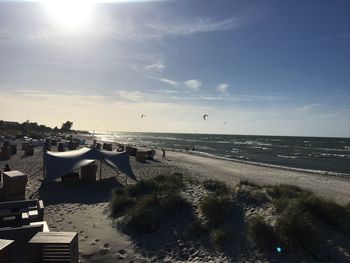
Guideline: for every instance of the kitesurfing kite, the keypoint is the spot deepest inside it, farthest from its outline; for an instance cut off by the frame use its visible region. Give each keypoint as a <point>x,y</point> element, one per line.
<point>142,116</point>
<point>205,116</point>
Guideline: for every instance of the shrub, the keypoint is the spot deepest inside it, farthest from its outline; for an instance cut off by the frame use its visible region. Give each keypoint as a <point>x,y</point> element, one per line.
<point>218,236</point>
<point>172,201</point>
<point>145,216</point>
<point>287,191</point>
<point>252,196</point>
<point>261,233</point>
<point>120,202</point>
<point>195,228</point>
<point>159,183</point>
<point>328,211</point>
<point>216,186</point>
<point>280,203</point>
<point>296,227</point>
<point>216,208</point>
<point>250,184</point>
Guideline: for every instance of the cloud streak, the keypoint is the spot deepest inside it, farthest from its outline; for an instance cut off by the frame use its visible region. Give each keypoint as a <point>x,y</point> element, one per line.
<point>193,84</point>
<point>223,88</point>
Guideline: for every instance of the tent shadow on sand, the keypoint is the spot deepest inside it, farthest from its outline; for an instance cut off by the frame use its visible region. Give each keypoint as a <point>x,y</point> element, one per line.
<point>63,192</point>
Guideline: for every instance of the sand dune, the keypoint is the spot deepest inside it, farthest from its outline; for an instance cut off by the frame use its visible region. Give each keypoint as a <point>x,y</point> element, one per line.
<point>84,209</point>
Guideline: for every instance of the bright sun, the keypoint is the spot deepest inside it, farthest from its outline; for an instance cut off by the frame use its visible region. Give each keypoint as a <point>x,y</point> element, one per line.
<point>69,14</point>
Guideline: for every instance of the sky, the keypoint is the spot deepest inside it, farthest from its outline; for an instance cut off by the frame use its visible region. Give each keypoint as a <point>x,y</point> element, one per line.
<point>255,67</point>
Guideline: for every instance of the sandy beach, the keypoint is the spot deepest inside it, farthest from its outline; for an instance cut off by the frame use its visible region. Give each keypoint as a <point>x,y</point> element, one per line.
<point>85,209</point>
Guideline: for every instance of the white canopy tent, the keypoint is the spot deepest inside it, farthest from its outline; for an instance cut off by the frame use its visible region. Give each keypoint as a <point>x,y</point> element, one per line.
<point>58,164</point>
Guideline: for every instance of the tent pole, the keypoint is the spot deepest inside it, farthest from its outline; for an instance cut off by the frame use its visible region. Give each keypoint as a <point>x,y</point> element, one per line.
<point>100,170</point>
<point>44,166</point>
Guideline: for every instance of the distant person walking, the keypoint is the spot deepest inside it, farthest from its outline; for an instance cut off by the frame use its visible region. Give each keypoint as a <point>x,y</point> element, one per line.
<point>163,156</point>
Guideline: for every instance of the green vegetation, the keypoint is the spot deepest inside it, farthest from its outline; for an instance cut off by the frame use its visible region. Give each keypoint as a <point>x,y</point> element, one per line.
<point>299,217</point>
<point>157,184</point>
<point>296,228</point>
<point>195,228</point>
<point>286,191</point>
<point>120,202</point>
<point>261,233</point>
<point>216,186</point>
<point>218,236</point>
<point>250,184</point>
<point>216,208</point>
<point>28,128</point>
<point>148,202</point>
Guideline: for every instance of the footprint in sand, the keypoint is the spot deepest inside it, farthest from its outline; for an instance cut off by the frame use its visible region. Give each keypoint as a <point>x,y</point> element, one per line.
<point>104,250</point>
<point>97,240</point>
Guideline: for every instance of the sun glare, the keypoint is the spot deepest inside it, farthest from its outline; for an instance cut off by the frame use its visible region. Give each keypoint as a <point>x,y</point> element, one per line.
<point>69,14</point>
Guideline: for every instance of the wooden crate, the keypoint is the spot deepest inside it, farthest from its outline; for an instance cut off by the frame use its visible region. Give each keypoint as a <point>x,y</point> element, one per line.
<point>55,247</point>
<point>141,156</point>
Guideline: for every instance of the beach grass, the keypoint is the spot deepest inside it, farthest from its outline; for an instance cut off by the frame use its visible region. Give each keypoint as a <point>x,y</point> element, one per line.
<point>146,203</point>
<point>216,186</point>
<point>261,233</point>
<point>219,237</point>
<point>216,208</point>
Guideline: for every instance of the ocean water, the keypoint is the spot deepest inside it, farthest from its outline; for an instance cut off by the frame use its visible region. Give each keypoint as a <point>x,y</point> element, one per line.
<point>326,155</point>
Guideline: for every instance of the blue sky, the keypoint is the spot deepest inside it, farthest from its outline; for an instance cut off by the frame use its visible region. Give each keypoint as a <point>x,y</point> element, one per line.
<point>263,67</point>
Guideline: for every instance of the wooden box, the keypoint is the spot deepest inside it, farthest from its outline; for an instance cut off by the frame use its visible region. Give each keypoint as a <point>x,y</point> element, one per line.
<point>141,156</point>
<point>55,247</point>
<point>14,185</point>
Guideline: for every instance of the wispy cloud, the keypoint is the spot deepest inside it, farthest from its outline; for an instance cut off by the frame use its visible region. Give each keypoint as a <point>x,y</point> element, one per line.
<point>159,67</point>
<point>194,26</point>
<point>169,81</point>
<point>135,96</point>
<point>308,107</point>
<point>223,88</point>
<point>193,84</point>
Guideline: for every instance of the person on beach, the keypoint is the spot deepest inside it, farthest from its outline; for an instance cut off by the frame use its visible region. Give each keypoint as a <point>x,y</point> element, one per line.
<point>163,156</point>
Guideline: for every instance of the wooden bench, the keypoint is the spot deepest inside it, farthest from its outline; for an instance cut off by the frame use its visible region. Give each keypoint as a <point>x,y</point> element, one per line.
<point>17,213</point>
<point>55,247</point>
<point>21,235</point>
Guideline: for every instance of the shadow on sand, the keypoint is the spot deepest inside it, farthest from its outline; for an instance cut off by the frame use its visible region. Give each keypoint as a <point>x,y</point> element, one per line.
<point>76,192</point>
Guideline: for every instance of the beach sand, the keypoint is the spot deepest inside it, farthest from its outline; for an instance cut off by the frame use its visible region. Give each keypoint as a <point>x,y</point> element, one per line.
<point>84,209</point>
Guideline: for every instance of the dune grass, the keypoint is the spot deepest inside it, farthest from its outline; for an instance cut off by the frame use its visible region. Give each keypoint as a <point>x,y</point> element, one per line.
<point>216,187</point>
<point>146,203</point>
<point>216,208</point>
<point>261,233</point>
<point>219,237</point>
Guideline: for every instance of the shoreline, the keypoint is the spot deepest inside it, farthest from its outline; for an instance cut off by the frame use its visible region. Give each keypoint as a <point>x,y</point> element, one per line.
<point>288,168</point>
<point>231,172</point>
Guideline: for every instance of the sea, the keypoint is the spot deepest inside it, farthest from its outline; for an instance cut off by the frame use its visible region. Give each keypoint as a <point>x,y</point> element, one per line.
<point>311,154</point>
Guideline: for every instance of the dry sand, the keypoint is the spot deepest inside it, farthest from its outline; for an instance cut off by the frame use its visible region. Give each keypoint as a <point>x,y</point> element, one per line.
<point>84,209</point>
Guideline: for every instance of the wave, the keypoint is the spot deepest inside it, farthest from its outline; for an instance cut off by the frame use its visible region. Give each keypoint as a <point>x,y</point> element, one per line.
<point>247,161</point>
<point>287,156</point>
